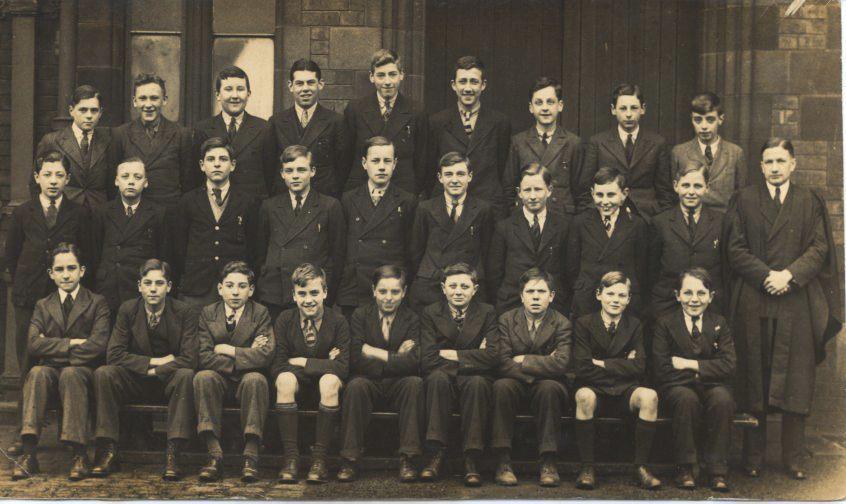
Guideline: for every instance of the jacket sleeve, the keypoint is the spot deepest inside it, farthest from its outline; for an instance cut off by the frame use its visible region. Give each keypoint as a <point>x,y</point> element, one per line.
<point>407,364</point>
<point>507,367</point>
<point>118,349</point>
<point>187,357</point>
<point>497,254</point>
<point>721,366</point>
<point>808,265</point>
<point>629,368</point>
<point>41,345</point>
<point>556,364</point>
<point>740,256</point>
<point>95,344</point>
<point>339,366</point>
<point>207,357</point>
<point>248,358</point>
<point>482,359</point>
<point>586,370</point>
<point>664,192</point>
<point>430,358</point>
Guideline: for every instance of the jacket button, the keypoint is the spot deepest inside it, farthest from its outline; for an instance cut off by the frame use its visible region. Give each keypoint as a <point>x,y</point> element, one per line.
<point>216,258</point>
<point>360,241</point>
<point>217,243</point>
<point>217,228</point>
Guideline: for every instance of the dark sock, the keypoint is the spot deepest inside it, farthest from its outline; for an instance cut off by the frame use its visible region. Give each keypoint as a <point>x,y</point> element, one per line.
<point>251,446</point>
<point>288,428</point>
<point>644,434</point>
<point>434,447</point>
<point>326,419</point>
<point>78,449</point>
<point>106,444</point>
<point>585,439</point>
<point>213,445</point>
<point>30,444</point>
<point>503,455</point>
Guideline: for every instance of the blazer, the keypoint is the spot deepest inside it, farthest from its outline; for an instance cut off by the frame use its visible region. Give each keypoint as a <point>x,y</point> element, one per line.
<point>211,330</point>
<point>406,127</point>
<point>285,241</point>
<point>50,334</point>
<point>728,172</point>
<point>375,236</point>
<point>328,140</point>
<point>90,183</point>
<point>437,241</point>
<point>562,157</point>
<point>203,246</point>
<point>649,178</point>
<point>290,342</point>
<point>366,327</point>
<point>513,251</point>
<point>30,242</point>
<point>715,351</point>
<point>256,161</point>
<point>487,148</point>
<point>168,160</point>
<point>593,342</point>
<point>548,355</point>
<point>439,332</point>
<point>120,246</point>
<point>129,345</point>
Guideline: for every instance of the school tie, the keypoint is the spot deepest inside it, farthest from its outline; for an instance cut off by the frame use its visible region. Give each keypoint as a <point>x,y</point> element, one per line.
<point>709,156</point>
<point>386,328</point>
<point>778,197</point>
<point>233,130</point>
<point>376,196</point>
<point>465,118</point>
<point>545,139</point>
<point>691,222</point>
<point>52,214</point>
<point>230,322</point>
<point>84,148</point>
<point>459,318</point>
<point>304,120</point>
<point>218,197</point>
<point>629,148</point>
<point>388,109</point>
<point>453,212</point>
<point>129,212</point>
<point>536,232</point>
<point>153,320</point>
<point>606,221</point>
<point>67,306</point>
<point>533,330</point>
<point>694,332</point>
<point>612,329</point>
<point>299,206</point>
<point>310,333</point>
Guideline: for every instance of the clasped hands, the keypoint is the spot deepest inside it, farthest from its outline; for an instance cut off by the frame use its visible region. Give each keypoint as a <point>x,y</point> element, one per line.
<point>302,361</point>
<point>777,283</point>
<point>601,363</point>
<point>371,352</point>
<point>229,350</point>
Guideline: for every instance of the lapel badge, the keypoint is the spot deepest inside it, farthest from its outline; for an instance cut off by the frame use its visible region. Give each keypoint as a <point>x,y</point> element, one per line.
<point>399,210</point>
<point>716,346</point>
<point>240,221</point>
<point>318,227</point>
<point>716,242</point>
<point>717,328</point>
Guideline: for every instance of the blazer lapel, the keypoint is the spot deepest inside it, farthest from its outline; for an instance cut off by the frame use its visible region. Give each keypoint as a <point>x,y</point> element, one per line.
<point>373,116</point>
<point>521,329</point>
<point>556,143</point>
<point>625,330</point>
<point>63,215</point>
<point>622,228</point>
<point>67,143</point>
<point>54,308</point>
<point>484,126</point>
<point>388,203</point>
<point>534,142</point>
<point>83,299</point>
<point>447,326</point>
<point>762,203</point>
<point>139,328</point>
<point>173,333</point>
<point>244,327</point>
<point>470,328</point>
<point>720,160</point>
<point>455,127</point>
<point>316,125</point>
<point>679,226</point>
<point>399,117</point>
<point>599,333</point>
<point>440,213</point>
<point>287,125</point>
<point>612,144</point>
<point>641,147</point>
<point>217,326</point>
<point>468,216</point>
<point>398,328</point>
<point>784,214</point>
<point>542,333</point>
<point>250,128</point>
<point>552,221</point>
<point>681,334</point>
<point>101,139</point>
<point>309,212</point>
<point>520,228</point>
<point>703,227</point>
<point>167,131</point>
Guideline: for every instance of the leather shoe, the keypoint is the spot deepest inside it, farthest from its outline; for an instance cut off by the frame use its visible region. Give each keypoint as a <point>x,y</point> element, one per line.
<point>646,480</point>
<point>752,471</point>
<point>796,473</point>
<point>80,469</point>
<point>213,471</point>
<point>289,470</point>
<point>472,477</point>
<point>685,479</point>
<point>318,472</point>
<point>105,463</point>
<point>172,471</point>
<point>586,479</point>
<point>505,475</point>
<point>250,472</point>
<point>430,471</point>
<point>347,471</point>
<point>25,466</point>
<point>719,484</point>
<point>407,472</point>
<point>549,475</point>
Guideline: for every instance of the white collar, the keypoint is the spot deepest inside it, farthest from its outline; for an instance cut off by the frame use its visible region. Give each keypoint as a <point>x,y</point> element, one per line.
<point>688,321</point>
<point>229,311</point>
<point>613,216</point>
<point>624,134</point>
<point>304,195</point>
<point>372,187</point>
<point>607,320</point>
<point>696,213</point>
<point>449,200</point>
<point>134,206</point>
<point>715,146</point>
<point>300,111</point>
<point>551,133</point>
<point>224,189</point>
<point>783,189</point>
<point>77,132</point>
<point>73,294</point>
<point>45,201</point>
<point>472,112</point>
<point>238,119</point>
<point>382,101</point>
<point>530,217</point>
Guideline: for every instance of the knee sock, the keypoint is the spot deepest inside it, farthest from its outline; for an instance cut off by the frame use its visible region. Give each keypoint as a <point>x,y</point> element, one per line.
<point>213,445</point>
<point>327,417</point>
<point>644,434</point>
<point>251,446</point>
<point>585,435</point>
<point>79,449</point>
<point>288,428</point>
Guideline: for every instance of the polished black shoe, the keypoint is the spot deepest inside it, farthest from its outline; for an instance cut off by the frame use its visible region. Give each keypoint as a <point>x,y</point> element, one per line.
<point>646,479</point>
<point>80,469</point>
<point>318,473</point>
<point>549,475</point>
<point>105,463</point>
<point>796,472</point>
<point>172,471</point>
<point>586,479</point>
<point>347,472</point>
<point>504,475</point>
<point>433,468</point>
<point>289,471</point>
<point>719,484</point>
<point>213,471</point>
<point>684,478</point>
<point>407,472</point>
<point>250,472</point>
<point>25,466</point>
<point>472,477</point>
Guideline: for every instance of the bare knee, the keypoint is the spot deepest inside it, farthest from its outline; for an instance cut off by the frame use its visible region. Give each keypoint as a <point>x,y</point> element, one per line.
<point>329,385</point>
<point>646,400</point>
<point>585,403</point>
<point>286,388</point>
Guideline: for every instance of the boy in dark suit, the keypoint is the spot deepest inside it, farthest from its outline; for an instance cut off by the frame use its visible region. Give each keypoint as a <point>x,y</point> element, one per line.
<point>87,148</point>
<point>163,145</point>
<point>379,217</point>
<point>236,345</point>
<point>216,224</point>
<point>725,161</point>
<point>450,228</point>
<point>385,368</point>
<point>126,232</point>
<point>459,360</point>
<point>480,133</point>
<point>297,226</point>
<point>641,155</point>
<point>694,364</point>
<point>393,115</point>
<point>547,143</point>
<point>535,346</point>
<point>314,126</point>
<point>248,136</point>
<point>610,366</point>
<point>532,237</point>
<point>609,238</point>
<point>67,341</point>
<point>311,362</point>
<point>152,355</point>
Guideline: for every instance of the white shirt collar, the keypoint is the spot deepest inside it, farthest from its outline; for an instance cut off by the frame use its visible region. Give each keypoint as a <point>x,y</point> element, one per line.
<point>77,132</point>
<point>228,118</point>
<point>532,321</point>
<point>540,133</point>
<point>606,320</point>
<point>63,294</point>
<point>300,111</point>
<point>624,134</point>
<point>372,187</point>
<point>228,311</point>
<point>45,201</point>
<point>449,200</point>
<point>134,206</point>
<point>688,321</point>
<point>473,111</point>
<point>613,217</point>
<point>530,217</point>
<point>224,189</point>
<point>696,213</point>
<point>304,194</point>
<point>715,146</point>
<point>783,190</point>
<point>383,100</point>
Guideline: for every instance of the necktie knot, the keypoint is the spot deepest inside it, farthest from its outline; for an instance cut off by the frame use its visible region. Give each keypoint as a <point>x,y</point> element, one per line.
<point>298,198</point>
<point>388,109</point>
<point>129,211</point>
<point>545,138</point>
<point>218,196</point>
<point>453,212</point>
<point>376,195</point>
<point>305,118</point>
<point>709,154</point>
<point>612,328</point>
<point>230,321</point>
<point>778,195</point>
<point>694,331</point>
<point>459,317</point>
<point>67,305</point>
<point>233,129</point>
<point>606,221</point>
<point>386,328</point>
<point>153,320</point>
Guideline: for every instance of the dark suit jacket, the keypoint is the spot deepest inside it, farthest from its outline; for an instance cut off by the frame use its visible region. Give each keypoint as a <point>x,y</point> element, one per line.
<point>406,128</point>
<point>715,351</point>
<point>170,165</point>
<point>512,252</point>
<point>728,173</point>
<point>437,241</point>
<point>593,342</point>
<point>121,245</point>
<point>285,241</point>
<point>49,334</point>
<point>129,345</point>
<point>327,139</point>
<point>256,167</point>
<point>254,322</point>
<point>29,243</point>
<point>591,254</point>
<point>649,178</point>
<point>88,185</point>
<point>439,332</point>
<point>290,342</point>
<point>203,246</point>
<point>375,236</point>
<point>487,149</point>
<point>671,251</point>
<point>366,327</point>
<point>547,355</point>
<point>562,157</point>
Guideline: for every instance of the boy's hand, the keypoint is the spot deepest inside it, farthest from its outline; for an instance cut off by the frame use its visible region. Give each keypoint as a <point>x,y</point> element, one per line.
<point>224,349</point>
<point>519,358</point>
<point>598,363</point>
<point>297,361</point>
<point>450,355</point>
<point>406,347</point>
<point>335,352</point>
<point>76,341</point>
<point>260,341</point>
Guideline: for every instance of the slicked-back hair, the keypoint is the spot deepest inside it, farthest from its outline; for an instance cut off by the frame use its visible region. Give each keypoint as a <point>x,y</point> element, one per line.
<point>52,156</point>
<point>305,65</point>
<point>133,159</point>
<point>700,274</point>
<point>774,142</point>
<point>84,92</point>
<point>377,141</point>
<point>215,143</point>
<point>293,152</point>
<point>614,278</point>
<point>453,158</point>
<point>706,102</point>
<point>384,57</point>
<point>626,89</point>
<point>305,272</point>
<point>238,267</point>
<point>145,78</point>
<point>535,168</point>
<point>532,274</point>
<point>545,82</point>
<point>66,248</point>
<point>155,265</point>
<point>231,72</point>
<point>468,63</point>
<point>460,269</point>
<point>691,166</point>
<point>388,271</point>
<point>609,174</point>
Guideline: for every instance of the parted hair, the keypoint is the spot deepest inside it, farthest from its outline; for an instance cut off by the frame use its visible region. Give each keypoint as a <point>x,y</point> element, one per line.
<point>626,89</point>
<point>460,269</point>
<point>377,141</point>
<point>774,142</point>
<point>238,267</point>
<point>453,158</point>
<point>306,272</point>
<point>146,78</point>
<point>231,72</point>
<point>545,82</point>
<point>292,152</point>
<point>388,271</point>
<point>133,159</point>
<point>533,274</point>
<point>52,156</point>
<point>608,174</point>
<point>155,265</point>
<point>706,102</point>
<point>700,274</point>
<point>613,278</point>
<point>384,57</point>
<point>84,92</point>
<point>535,168</point>
<point>691,166</point>
<point>469,63</point>
<point>66,248</point>
<point>215,143</point>
<point>305,65</point>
